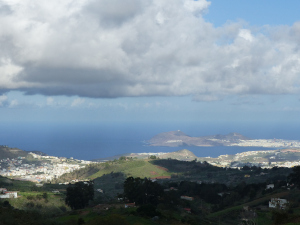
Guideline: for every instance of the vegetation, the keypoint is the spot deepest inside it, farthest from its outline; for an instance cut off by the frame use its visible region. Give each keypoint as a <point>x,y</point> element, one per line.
<point>294,177</point>
<point>142,191</point>
<point>217,195</point>
<point>79,194</point>
<point>127,166</point>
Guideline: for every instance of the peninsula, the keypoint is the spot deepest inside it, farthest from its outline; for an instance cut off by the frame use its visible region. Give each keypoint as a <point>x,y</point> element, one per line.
<point>179,138</point>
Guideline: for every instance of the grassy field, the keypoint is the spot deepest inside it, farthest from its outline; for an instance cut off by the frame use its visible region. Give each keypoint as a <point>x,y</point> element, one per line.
<point>111,178</point>
<point>53,204</point>
<point>32,198</point>
<point>136,168</point>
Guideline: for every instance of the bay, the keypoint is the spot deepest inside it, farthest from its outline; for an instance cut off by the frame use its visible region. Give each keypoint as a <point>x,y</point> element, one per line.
<point>102,139</point>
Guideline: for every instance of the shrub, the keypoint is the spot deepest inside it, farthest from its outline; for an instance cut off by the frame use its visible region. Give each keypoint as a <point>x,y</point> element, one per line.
<point>279,217</point>
<point>148,210</point>
<point>30,197</point>
<point>39,206</point>
<point>45,195</point>
<point>63,208</point>
<point>30,204</point>
<point>6,204</point>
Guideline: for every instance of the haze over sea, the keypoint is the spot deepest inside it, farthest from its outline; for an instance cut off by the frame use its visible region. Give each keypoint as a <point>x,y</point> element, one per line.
<point>98,140</point>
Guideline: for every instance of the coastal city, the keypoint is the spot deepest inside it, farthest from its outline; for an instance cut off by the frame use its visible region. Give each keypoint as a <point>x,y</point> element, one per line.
<point>263,158</point>
<point>40,169</point>
<point>267,143</point>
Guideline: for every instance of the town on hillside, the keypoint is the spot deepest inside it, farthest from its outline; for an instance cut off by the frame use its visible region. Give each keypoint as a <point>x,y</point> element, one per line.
<point>39,168</point>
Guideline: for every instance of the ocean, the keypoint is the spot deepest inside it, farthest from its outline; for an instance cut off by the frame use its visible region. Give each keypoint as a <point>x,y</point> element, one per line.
<point>99,140</point>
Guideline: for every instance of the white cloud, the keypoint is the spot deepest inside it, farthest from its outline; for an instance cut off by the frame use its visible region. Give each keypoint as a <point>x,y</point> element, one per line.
<point>246,34</point>
<point>118,48</point>
<point>50,101</point>
<point>77,102</point>
<point>3,99</point>
<point>160,18</point>
<point>9,72</point>
<point>196,6</point>
<point>206,98</point>
<point>13,103</point>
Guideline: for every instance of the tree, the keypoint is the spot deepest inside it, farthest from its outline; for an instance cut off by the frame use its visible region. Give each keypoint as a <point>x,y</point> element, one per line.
<point>148,211</point>
<point>112,219</point>
<point>122,158</point>
<point>246,168</point>
<point>295,176</point>
<point>80,221</point>
<point>6,204</point>
<point>279,216</point>
<point>142,191</point>
<point>79,194</point>
<point>152,157</point>
<point>45,195</point>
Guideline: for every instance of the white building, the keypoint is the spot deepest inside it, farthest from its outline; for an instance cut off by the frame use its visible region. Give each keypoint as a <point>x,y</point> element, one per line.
<point>269,186</point>
<point>187,198</point>
<point>9,194</point>
<point>278,203</point>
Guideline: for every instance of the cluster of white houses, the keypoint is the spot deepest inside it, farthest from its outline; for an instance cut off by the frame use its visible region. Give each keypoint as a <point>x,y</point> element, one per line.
<point>46,171</point>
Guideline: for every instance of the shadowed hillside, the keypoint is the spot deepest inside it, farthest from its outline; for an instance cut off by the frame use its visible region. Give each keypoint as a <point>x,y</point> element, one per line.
<point>6,152</point>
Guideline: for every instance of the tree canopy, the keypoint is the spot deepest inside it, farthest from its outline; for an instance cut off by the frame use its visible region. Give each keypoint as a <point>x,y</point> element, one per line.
<point>294,177</point>
<point>79,194</point>
<point>142,191</point>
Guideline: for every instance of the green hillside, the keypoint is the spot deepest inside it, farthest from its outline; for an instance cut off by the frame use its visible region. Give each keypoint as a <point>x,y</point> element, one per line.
<point>126,166</point>
<point>34,205</point>
<point>135,168</point>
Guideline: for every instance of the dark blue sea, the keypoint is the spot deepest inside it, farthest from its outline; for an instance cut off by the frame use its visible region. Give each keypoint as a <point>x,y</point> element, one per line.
<point>99,140</point>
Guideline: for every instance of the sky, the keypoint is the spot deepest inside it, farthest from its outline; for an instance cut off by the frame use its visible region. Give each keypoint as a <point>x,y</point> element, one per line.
<point>131,60</point>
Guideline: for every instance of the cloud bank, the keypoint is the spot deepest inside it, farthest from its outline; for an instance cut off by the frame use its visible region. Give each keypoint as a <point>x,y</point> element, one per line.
<point>119,48</point>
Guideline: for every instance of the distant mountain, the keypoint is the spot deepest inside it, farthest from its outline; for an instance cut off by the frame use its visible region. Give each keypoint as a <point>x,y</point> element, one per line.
<point>7,152</point>
<point>179,138</point>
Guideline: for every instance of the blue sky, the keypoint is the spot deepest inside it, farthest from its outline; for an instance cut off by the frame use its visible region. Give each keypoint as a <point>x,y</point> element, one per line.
<point>254,12</point>
<point>131,60</point>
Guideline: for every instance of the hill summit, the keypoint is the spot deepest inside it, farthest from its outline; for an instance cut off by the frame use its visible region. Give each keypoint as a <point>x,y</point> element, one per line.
<point>7,152</point>
<point>183,154</point>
